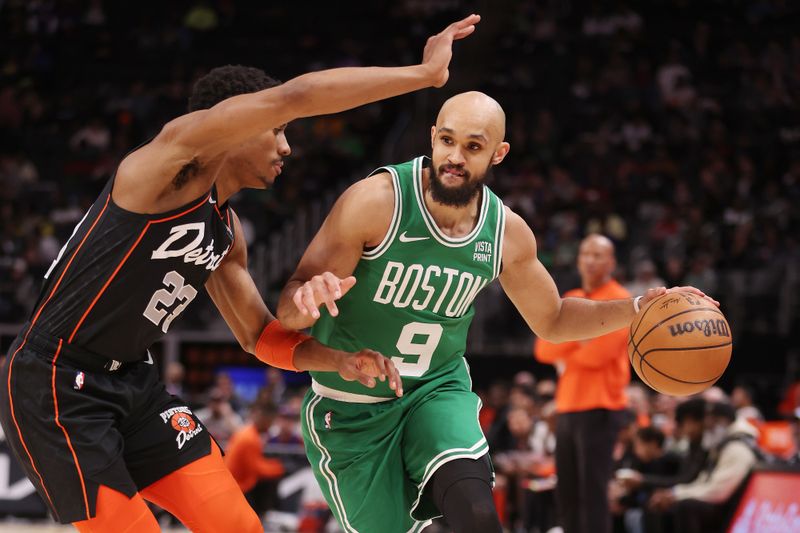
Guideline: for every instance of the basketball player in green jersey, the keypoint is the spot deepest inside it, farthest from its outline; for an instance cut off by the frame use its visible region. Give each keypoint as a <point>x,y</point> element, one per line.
<point>422,238</point>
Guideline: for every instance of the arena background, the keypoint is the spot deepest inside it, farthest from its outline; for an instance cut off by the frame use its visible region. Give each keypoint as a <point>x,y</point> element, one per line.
<point>672,126</point>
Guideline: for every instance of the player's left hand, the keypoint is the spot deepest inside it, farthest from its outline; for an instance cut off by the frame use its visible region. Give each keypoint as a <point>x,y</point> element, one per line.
<point>368,365</point>
<point>652,294</point>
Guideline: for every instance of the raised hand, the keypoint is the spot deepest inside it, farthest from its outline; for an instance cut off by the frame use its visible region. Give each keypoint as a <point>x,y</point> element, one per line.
<point>439,48</point>
<point>367,365</point>
<point>323,288</point>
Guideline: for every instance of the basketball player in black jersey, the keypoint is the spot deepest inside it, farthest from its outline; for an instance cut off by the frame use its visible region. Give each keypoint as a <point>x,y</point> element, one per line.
<point>80,402</point>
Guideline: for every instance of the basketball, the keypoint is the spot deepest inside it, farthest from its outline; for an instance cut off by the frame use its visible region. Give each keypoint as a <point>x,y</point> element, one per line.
<point>679,344</point>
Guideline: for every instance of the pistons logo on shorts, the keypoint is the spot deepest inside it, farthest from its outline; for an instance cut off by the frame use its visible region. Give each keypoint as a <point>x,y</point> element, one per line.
<point>181,420</point>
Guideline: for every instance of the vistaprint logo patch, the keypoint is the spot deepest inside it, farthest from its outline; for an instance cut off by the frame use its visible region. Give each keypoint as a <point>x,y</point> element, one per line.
<point>483,252</point>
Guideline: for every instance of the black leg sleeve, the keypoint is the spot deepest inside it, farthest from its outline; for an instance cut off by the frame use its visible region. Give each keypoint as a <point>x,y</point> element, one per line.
<point>462,489</point>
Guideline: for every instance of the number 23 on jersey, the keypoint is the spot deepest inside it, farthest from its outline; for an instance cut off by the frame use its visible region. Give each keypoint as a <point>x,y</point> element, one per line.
<point>157,309</point>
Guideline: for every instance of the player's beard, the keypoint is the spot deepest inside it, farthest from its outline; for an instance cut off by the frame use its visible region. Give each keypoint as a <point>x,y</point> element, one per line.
<point>461,195</point>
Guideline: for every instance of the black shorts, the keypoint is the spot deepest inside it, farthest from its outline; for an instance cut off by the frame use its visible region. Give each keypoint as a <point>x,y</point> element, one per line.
<point>75,426</point>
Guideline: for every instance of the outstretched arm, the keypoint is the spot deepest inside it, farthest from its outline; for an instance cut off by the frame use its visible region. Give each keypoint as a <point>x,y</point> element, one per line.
<point>317,93</point>
<point>206,134</point>
<point>235,294</point>
<point>533,292</point>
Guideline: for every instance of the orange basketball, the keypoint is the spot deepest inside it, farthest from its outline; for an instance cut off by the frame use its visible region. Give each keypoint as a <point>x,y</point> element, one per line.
<point>679,344</point>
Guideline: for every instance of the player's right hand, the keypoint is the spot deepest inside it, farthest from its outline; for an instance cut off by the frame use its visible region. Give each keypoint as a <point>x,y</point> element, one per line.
<point>652,294</point>
<point>323,288</point>
<point>367,365</point>
<point>439,48</point>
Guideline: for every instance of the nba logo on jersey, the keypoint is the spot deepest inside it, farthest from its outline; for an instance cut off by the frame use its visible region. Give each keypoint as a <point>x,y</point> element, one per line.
<point>328,419</point>
<point>79,379</point>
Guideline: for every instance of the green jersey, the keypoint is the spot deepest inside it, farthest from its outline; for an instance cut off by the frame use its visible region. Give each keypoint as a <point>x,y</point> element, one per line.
<point>412,300</point>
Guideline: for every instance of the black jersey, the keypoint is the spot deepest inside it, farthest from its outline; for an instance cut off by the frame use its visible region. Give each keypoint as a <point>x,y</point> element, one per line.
<point>123,277</point>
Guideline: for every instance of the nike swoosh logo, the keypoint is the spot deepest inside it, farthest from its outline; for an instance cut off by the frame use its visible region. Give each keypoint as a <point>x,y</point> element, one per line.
<point>211,200</point>
<point>404,238</point>
<point>149,358</point>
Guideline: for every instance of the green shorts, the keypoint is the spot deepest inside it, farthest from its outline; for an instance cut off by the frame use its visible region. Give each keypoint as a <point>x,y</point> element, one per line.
<point>374,460</point>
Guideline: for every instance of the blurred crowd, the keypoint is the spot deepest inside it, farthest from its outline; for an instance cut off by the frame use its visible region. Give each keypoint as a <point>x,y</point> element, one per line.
<point>671,126</point>
<point>668,450</point>
<point>82,82</point>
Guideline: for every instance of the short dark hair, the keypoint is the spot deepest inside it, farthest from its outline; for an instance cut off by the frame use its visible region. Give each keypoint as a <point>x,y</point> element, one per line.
<point>694,409</point>
<point>223,82</point>
<point>651,434</point>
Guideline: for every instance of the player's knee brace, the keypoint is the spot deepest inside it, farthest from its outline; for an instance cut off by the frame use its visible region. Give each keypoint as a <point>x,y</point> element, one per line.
<point>462,489</point>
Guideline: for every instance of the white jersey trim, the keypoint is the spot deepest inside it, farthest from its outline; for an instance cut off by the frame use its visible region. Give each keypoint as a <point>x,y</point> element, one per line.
<point>325,469</point>
<point>342,396</point>
<point>419,526</point>
<point>397,215</point>
<point>498,238</point>
<point>431,223</point>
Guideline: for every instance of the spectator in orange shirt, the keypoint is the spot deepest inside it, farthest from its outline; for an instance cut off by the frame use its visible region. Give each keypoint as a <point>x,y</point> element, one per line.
<point>590,399</point>
<point>245,456</point>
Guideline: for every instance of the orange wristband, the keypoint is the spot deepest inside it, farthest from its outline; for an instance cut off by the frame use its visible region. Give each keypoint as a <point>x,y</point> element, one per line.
<point>276,345</point>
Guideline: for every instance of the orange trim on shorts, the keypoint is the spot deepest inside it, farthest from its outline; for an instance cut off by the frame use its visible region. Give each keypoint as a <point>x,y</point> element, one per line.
<point>19,430</point>
<point>35,318</point>
<point>69,442</point>
<point>124,259</point>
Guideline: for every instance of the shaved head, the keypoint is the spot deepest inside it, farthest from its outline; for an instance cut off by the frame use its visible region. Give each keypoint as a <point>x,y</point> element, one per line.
<point>600,242</point>
<point>478,112</point>
<point>467,141</point>
<point>596,261</point>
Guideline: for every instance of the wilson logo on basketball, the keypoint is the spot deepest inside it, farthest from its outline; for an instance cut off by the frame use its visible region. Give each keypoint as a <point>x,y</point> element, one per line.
<point>706,327</point>
<point>680,344</point>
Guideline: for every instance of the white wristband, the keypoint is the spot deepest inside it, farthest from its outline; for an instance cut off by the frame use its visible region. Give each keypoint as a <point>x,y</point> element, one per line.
<point>636,304</point>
